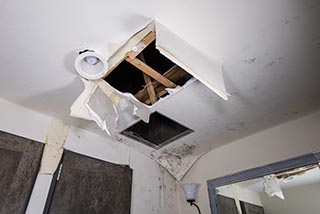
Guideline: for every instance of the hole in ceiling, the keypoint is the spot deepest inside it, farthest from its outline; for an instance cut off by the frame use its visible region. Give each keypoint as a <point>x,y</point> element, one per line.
<point>160,131</point>
<point>146,73</point>
<point>126,78</point>
<point>155,59</point>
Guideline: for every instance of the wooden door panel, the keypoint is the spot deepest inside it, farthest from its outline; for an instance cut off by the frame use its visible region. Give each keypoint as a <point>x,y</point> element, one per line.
<point>88,185</point>
<point>19,164</point>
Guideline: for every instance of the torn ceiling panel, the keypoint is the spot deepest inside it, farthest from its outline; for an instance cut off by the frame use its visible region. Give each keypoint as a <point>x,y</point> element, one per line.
<point>109,108</point>
<point>206,70</point>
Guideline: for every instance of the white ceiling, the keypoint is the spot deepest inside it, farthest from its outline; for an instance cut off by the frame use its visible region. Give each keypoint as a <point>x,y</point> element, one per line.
<point>270,52</point>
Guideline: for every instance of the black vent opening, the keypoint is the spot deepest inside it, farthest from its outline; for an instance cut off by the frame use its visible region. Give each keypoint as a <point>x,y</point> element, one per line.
<point>160,131</point>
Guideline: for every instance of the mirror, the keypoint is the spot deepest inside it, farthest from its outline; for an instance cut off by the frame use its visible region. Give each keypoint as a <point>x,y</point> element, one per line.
<point>291,191</point>
<point>291,186</point>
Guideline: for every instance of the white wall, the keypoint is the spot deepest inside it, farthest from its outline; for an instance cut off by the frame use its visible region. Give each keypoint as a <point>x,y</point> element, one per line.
<point>23,122</point>
<point>302,199</point>
<point>279,143</point>
<point>154,190</point>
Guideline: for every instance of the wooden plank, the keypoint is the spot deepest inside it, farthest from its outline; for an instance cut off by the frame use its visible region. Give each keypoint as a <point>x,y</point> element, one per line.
<point>174,74</point>
<point>132,54</point>
<point>151,72</point>
<point>161,93</point>
<point>142,45</point>
<point>149,86</point>
<point>150,89</point>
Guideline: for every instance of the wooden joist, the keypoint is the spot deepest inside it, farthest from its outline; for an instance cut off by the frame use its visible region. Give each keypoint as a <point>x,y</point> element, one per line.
<point>174,74</point>
<point>142,45</point>
<point>133,53</point>
<point>151,72</point>
<point>149,86</point>
<point>150,89</point>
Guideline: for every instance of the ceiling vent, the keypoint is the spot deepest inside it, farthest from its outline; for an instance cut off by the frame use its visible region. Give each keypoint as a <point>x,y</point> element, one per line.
<point>160,131</point>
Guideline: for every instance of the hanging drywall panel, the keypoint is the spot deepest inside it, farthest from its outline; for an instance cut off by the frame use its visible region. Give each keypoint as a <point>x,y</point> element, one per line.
<point>206,70</point>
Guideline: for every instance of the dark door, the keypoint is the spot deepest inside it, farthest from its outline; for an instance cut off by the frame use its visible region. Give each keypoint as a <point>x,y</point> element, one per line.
<point>90,186</point>
<point>19,164</point>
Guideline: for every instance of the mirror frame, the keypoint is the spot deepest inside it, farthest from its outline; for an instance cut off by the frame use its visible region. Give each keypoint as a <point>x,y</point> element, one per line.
<point>312,158</point>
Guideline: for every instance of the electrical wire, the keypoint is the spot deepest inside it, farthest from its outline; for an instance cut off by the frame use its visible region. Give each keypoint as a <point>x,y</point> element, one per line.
<point>194,204</point>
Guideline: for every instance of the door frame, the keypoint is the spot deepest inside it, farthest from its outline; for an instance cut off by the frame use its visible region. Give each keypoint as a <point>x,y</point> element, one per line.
<point>312,158</point>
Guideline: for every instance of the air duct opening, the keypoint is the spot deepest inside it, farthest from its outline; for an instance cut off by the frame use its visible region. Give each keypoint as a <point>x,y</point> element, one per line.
<point>160,131</point>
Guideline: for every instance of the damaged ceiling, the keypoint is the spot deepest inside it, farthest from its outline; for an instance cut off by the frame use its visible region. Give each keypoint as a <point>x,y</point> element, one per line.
<point>269,53</point>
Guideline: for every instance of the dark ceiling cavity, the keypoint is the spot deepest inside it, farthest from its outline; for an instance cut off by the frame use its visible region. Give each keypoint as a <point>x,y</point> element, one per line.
<point>155,59</point>
<point>126,78</point>
<point>160,131</point>
<point>146,73</point>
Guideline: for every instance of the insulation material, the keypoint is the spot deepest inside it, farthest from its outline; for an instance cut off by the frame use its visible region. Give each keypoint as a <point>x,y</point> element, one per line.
<point>54,147</point>
<point>206,70</point>
<point>271,187</point>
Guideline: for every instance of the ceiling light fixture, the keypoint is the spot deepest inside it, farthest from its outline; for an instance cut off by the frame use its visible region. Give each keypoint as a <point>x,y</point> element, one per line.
<point>190,192</point>
<point>91,60</point>
<point>91,64</point>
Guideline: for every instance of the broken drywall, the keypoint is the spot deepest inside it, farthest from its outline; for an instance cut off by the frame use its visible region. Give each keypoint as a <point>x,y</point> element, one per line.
<point>206,70</point>
<point>109,108</point>
<point>114,111</point>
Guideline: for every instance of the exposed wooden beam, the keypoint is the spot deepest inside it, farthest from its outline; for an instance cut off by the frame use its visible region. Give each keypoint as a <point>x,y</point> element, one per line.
<point>174,74</point>
<point>149,86</point>
<point>142,45</point>
<point>150,89</point>
<point>151,72</point>
<point>139,48</point>
<point>161,93</point>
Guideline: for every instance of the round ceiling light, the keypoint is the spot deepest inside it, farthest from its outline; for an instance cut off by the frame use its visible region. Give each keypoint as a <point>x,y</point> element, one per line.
<point>91,65</point>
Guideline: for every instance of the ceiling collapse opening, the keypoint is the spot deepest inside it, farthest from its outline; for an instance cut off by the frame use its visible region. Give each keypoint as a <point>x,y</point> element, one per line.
<point>160,131</point>
<point>146,73</point>
<point>136,77</point>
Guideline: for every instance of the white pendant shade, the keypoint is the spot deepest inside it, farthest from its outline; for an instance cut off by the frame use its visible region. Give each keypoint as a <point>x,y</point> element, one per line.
<point>190,190</point>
